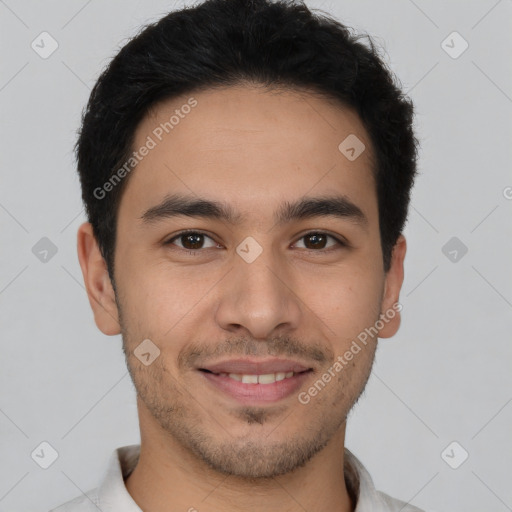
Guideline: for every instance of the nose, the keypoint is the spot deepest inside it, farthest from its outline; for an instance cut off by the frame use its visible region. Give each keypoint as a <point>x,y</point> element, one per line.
<point>259,297</point>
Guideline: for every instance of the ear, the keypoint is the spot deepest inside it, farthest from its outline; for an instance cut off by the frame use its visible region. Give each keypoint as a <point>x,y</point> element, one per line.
<point>390,312</point>
<point>97,282</point>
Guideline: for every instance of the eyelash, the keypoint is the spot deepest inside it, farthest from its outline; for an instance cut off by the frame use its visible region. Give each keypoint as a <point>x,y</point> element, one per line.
<point>192,252</point>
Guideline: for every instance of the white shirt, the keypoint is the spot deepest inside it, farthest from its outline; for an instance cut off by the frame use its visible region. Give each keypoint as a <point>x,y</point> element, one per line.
<point>111,494</point>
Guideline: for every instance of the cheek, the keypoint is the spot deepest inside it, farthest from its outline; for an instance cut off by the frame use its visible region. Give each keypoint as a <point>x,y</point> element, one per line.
<point>161,303</point>
<point>345,300</point>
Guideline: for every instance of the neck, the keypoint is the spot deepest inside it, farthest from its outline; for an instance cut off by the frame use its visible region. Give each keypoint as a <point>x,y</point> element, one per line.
<point>168,476</point>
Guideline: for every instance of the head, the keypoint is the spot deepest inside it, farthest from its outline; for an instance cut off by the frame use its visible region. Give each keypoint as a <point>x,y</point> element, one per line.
<point>282,143</point>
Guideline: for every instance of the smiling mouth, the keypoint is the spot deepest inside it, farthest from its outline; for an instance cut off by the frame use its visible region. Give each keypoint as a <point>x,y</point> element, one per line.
<point>266,378</point>
<point>256,389</point>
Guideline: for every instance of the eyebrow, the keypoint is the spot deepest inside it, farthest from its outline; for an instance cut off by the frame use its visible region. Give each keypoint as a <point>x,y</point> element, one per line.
<point>305,208</point>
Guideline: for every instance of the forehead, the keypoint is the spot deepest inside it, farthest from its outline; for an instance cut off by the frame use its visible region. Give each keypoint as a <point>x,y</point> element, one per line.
<point>250,147</point>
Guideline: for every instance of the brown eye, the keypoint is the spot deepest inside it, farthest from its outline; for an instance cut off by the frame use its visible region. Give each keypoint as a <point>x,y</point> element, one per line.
<point>190,240</point>
<point>317,241</point>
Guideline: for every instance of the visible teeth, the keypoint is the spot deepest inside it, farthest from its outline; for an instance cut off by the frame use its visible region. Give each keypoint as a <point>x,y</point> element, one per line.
<point>249,379</point>
<point>267,378</point>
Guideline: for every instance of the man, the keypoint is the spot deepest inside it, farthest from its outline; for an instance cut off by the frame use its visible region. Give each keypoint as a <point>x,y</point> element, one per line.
<point>246,168</point>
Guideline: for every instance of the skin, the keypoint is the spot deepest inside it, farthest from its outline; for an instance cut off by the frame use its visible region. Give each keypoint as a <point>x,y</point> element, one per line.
<point>252,149</point>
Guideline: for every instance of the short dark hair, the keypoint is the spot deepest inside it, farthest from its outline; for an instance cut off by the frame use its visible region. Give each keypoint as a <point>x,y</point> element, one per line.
<point>222,43</point>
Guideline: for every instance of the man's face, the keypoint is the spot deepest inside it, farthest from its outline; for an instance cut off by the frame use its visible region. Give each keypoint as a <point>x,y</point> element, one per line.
<point>254,296</point>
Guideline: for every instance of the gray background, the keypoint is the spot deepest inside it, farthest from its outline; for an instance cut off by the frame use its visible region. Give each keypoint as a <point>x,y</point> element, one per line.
<point>446,376</point>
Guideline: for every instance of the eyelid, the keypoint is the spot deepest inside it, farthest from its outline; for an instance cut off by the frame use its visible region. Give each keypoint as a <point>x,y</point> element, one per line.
<point>186,232</point>
<point>340,240</point>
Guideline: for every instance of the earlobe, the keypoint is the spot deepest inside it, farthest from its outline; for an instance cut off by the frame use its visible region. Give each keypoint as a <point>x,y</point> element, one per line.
<point>390,314</point>
<point>97,281</point>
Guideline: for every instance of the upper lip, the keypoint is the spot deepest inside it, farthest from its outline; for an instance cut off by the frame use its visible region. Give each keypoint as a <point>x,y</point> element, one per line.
<point>256,367</point>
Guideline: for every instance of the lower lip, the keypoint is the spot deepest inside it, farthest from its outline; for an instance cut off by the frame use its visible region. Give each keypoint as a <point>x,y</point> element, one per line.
<point>257,393</point>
